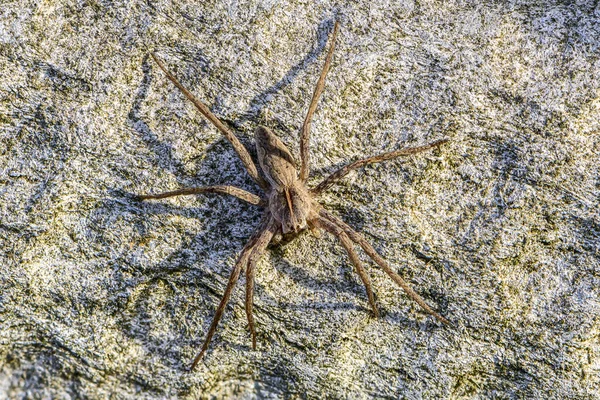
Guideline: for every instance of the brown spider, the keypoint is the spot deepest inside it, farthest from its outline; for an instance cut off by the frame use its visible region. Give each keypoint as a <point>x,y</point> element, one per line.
<point>290,206</point>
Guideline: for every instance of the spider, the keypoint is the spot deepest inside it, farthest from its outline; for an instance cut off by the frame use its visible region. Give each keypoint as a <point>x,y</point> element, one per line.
<point>290,207</point>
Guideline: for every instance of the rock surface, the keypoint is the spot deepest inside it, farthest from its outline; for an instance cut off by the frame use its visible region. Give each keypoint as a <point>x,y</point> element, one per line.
<point>102,295</point>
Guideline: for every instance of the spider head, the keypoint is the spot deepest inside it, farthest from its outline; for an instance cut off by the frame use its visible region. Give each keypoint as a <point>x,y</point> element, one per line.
<point>292,207</point>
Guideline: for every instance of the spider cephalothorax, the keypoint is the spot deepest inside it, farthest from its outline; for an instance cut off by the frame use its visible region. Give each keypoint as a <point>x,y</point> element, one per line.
<point>290,206</point>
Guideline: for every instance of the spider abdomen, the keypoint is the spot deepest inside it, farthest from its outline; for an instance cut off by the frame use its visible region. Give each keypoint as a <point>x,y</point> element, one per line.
<point>275,159</point>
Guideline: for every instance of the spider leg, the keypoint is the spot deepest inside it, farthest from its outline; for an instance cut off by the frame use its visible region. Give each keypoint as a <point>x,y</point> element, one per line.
<point>340,173</point>
<point>305,135</point>
<point>348,245</point>
<point>362,242</point>
<point>250,272</point>
<point>249,300</point>
<point>258,242</point>
<point>237,145</point>
<point>221,189</point>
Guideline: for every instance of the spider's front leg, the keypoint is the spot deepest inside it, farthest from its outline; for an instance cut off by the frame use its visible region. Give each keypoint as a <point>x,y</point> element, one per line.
<point>250,273</point>
<point>366,246</point>
<point>347,244</point>
<point>253,250</point>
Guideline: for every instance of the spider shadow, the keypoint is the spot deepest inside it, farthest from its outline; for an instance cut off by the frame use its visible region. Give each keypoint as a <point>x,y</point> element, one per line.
<point>263,99</point>
<point>345,281</point>
<point>174,271</point>
<point>172,289</point>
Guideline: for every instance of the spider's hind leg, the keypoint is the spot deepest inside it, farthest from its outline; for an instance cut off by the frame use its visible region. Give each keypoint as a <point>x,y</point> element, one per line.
<point>305,135</point>
<point>204,110</point>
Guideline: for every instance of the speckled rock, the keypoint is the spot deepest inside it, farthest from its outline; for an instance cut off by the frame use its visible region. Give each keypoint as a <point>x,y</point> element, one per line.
<point>106,297</point>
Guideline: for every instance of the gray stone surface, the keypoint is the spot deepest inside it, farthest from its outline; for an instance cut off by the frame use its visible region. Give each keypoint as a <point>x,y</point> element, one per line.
<point>105,297</point>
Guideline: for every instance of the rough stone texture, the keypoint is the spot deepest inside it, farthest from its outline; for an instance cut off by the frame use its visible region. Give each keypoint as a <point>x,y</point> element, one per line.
<point>105,296</point>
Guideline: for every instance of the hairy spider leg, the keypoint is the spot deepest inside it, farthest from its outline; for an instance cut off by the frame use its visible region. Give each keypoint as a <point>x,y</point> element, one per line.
<point>257,244</point>
<point>220,189</point>
<point>250,273</point>
<point>362,242</point>
<point>348,245</point>
<point>342,172</point>
<point>305,134</point>
<point>204,110</point>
